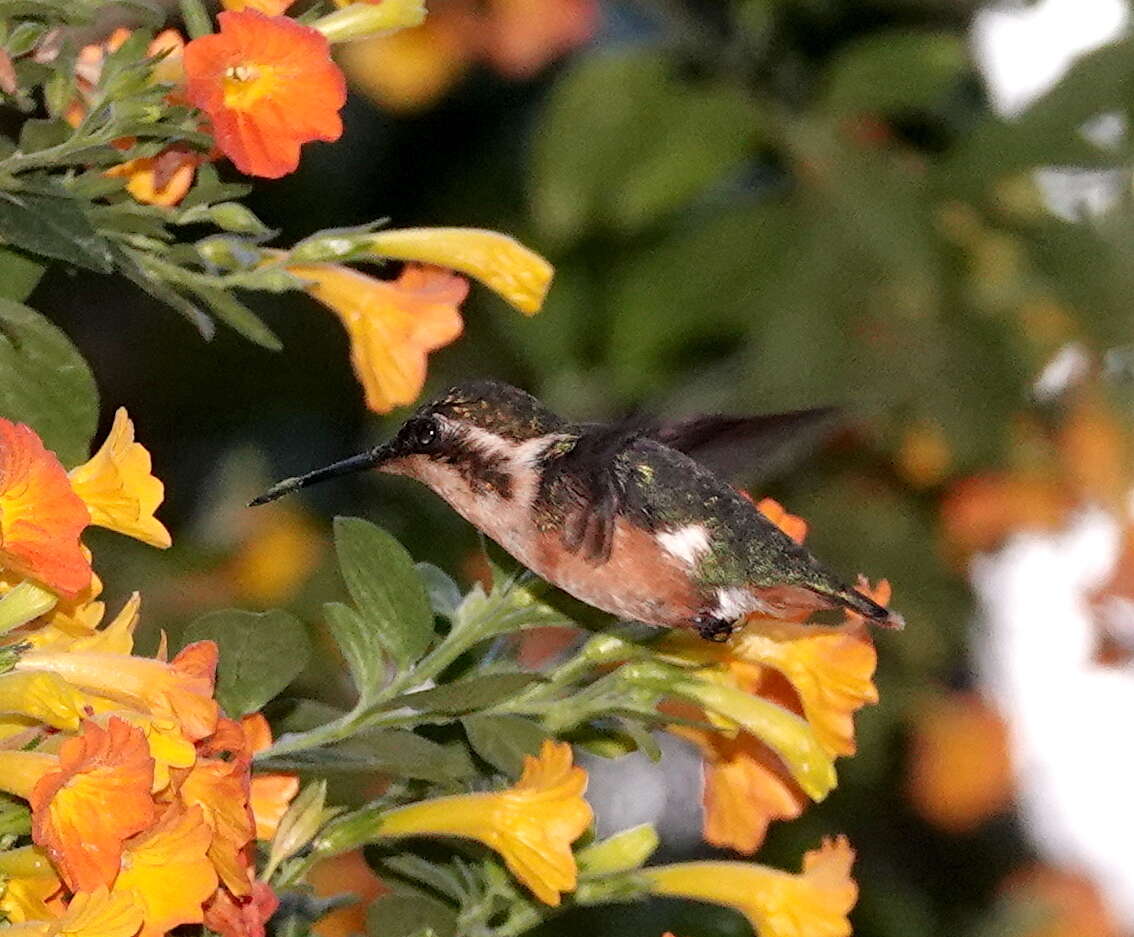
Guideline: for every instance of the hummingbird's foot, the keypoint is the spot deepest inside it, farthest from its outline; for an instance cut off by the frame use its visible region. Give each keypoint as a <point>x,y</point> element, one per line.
<point>712,628</point>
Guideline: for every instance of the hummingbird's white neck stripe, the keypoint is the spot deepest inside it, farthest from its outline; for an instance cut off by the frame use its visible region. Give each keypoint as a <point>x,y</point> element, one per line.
<point>688,543</point>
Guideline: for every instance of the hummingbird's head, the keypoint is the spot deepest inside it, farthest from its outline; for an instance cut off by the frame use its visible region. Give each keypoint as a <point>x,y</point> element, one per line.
<point>477,438</point>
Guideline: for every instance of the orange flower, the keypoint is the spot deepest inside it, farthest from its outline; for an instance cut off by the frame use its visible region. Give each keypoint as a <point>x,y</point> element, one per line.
<point>118,488</point>
<point>392,325</point>
<point>794,527</point>
<point>228,917</point>
<point>220,790</point>
<point>523,36</point>
<point>98,797</point>
<point>350,873</point>
<point>166,868</point>
<point>268,84</point>
<point>163,180</point>
<point>1058,903</point>
<point>270,794</point>
<point>960,772</point>
<point>814,903</point>
<point>41,518</point>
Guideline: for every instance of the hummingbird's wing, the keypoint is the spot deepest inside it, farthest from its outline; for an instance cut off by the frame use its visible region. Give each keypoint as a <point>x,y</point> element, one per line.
<point>751,447</point>
<point>589,479</point>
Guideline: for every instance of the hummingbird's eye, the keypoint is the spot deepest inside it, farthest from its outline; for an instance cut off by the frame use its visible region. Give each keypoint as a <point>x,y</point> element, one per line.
<point>425,434</point>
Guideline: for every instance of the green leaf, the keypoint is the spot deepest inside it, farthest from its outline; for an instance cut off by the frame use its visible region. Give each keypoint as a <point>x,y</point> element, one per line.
<point>360,646</point>
<point>260,654</point>
<point>436,875</point>
<point>54,227</point>
<point>503,741</point>
<point>467,695</point>
<point>397,752</point>
<point>895,72</point>
<point>444,594</point>
<point>403,914</point>
<point>45,383</point>
<point>621,161</point>
<point>234,313</point>
<point>19,275</point>
<point>385,587</point>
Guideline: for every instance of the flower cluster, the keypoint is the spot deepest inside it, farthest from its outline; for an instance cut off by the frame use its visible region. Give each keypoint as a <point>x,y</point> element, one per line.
<point>144,813</point>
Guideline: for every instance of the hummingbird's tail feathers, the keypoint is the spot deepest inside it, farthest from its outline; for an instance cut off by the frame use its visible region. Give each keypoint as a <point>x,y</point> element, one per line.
<point>873,612</point>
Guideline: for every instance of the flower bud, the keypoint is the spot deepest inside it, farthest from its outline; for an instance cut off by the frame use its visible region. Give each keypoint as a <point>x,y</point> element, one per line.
<point>370,20</point>
<point>622,852</point>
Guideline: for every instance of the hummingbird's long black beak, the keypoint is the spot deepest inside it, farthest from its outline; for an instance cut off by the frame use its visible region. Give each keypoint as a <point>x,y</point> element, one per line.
<point>372,458</point>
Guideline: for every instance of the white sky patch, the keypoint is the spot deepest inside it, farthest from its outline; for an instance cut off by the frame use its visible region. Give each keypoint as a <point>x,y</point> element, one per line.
<point>1023,50</point>
<point>1068,717</point>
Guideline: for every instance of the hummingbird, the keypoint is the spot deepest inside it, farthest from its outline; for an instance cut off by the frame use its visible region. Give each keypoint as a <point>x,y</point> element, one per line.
<point>627,517</point>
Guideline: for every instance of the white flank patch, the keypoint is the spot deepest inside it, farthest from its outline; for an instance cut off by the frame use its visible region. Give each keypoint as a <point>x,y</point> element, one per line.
<point>733,603</point>
<point>687,543</point>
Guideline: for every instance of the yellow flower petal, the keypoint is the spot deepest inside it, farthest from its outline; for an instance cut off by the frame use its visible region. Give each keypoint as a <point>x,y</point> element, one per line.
<point>30,890</point>
<point>503,264</point>
<point>168,870</point>
<point>21,771</point>
<point>831,669</point>
<point>393,325</point>
<point>814,903</point>
<point>101,914</point>
<point>42,697</point>
<point>531,824</point>
<point>118,489</point>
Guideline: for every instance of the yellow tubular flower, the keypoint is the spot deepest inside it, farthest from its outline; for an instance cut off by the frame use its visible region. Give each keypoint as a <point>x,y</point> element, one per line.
<point>503,264</point>
<point>814,903</point>
<point>392,324</point>
<point>20,771</point>
<point>531,824</point>
<point>41,697</point>
<point>91,914</point>
<point>31,890</point>
<point>118,489</point>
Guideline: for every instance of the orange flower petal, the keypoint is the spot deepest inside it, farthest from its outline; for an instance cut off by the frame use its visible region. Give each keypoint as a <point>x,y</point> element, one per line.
<point>960,768</point>
<point>221,790</point>
<point>392,325</point>
<point>228,917</point>
<point>270,796</point>
<point>166,867</point>
<point>41,518</point>
<point>98,797</point>
<point>163,180</point>
<point>794,527</point>
<point>267,7</point>
<point>522,36</point>
<point>268,85</point>
<point>349,873</point>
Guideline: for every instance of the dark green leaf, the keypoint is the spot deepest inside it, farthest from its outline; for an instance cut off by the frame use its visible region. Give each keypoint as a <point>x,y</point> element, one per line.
<point>360,646</point>
<point>410,915</point>
<point>503,741</point>
<point>130,266</point>
<point>260,654</point>
<point>623,160</point>
<point>45,383</point>
<point>53,227</point>
<point>467,695</point>
<point>435,875</point>
<point>19,274</point>
<point>397,752</point>
<point>386,589</point>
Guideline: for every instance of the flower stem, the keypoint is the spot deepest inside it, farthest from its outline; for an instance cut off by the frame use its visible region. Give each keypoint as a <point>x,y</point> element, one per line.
<point>197,21</point>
